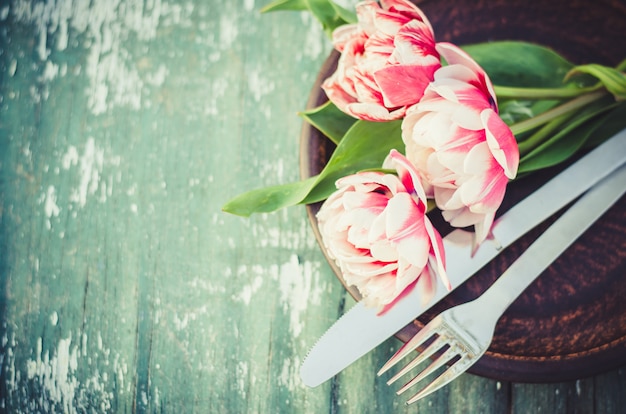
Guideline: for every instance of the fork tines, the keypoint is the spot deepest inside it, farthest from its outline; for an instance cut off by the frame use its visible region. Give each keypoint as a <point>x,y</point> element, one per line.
<point>440,347</point>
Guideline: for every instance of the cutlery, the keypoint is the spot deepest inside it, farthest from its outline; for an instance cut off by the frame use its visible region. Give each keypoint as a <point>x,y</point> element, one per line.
<point>462,334</point>
<point>361,329</point>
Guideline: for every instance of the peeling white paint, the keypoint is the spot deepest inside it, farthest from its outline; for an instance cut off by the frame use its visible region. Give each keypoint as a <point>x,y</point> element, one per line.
<point>114,78</point>
<point>228,31</point>
<point>55,373</point>
<point>248,291</point>
<point>289,376</point>
<point>181,322</point>
<point>258,85</point>
<point>242,372</point>
<point>50,71</point>
<point>316,43</point>
<point>208,286</point>
<point>51,209</point>
<point>70,158</point>
<point>55,369</point>
<point>158,77</point>
<point>248,5</point>
<point>298,289</point>
<point>219,87</point>
<point>90,167</point>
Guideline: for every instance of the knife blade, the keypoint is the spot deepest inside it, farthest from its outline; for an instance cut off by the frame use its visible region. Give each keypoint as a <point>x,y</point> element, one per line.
<point>360,329</point>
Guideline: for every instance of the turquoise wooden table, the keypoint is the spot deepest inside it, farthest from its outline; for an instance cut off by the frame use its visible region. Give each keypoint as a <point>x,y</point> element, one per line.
<point>125,125</point>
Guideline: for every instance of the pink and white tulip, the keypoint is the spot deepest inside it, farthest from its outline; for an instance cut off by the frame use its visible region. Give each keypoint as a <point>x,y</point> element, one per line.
<point>387,60</point>
<point>461,147</point>
<point>375,228</point>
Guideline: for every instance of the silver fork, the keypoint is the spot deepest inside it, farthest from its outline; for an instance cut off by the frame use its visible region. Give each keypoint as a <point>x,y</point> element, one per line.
<point>460,336</point>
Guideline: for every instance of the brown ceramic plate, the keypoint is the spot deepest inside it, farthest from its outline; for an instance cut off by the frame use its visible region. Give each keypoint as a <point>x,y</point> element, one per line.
<point>570,323</point>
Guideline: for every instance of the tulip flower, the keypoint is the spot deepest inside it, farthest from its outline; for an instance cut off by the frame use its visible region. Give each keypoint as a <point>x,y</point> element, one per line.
<point>387,60</point>
<point>376,229</point>
<point>462,149</point>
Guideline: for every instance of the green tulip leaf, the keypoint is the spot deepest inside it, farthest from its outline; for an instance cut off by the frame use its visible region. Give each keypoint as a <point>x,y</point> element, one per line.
<point>269,199</point>
<point>364,146</point>
<point>610,125</point>
<point>571,137</point>
<point>329,120</point>
<point>612,79</point>
<point>520,64</point>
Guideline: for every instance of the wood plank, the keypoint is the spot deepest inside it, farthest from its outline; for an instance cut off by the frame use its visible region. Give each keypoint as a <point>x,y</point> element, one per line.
<point>124,127</point>
<point>567,397</point>
<point>127,289</point>
<point>610,392</point>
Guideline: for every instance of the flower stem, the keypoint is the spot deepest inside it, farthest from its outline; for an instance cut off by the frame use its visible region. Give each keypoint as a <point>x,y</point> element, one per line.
<point>556,112</point>
<point>538,137</point>
<point>542,93</point>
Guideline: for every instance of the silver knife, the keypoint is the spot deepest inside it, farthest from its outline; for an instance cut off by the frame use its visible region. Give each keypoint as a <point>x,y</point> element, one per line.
<point>360,330</point>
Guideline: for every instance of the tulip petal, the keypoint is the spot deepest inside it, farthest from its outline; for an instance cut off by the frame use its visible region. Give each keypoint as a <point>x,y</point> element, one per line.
<point>375,228</point>
<point>459,144</point>
<point>407,173</point>
<point>405,228</point>
<point>343,34</point>
<point>407,9</point>
<point>373,112</point>
<point>501,142</point>
<point>461,217</point>
<point>415,45</point>
<point>485,190</point>
<point>455,55</point>
<point>387,60</point>
<point>424,284</point>
<point>483,228</point>
<point>402,85</point>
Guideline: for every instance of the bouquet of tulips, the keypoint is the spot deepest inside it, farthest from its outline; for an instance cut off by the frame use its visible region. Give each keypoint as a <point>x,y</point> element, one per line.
<point>422,125</point>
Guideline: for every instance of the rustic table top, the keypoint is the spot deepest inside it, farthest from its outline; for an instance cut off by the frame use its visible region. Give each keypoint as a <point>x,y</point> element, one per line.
<point>125,125</point>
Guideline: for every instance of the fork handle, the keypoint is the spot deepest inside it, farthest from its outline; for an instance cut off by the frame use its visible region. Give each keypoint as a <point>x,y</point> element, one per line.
<point>554,241</point>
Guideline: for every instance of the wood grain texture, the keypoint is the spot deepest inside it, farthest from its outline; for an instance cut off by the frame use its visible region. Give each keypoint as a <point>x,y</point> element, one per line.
<point>124,127</point>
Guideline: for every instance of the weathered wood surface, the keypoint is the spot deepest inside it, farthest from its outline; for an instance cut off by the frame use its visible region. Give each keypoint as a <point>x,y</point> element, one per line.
<point>124,127</point>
